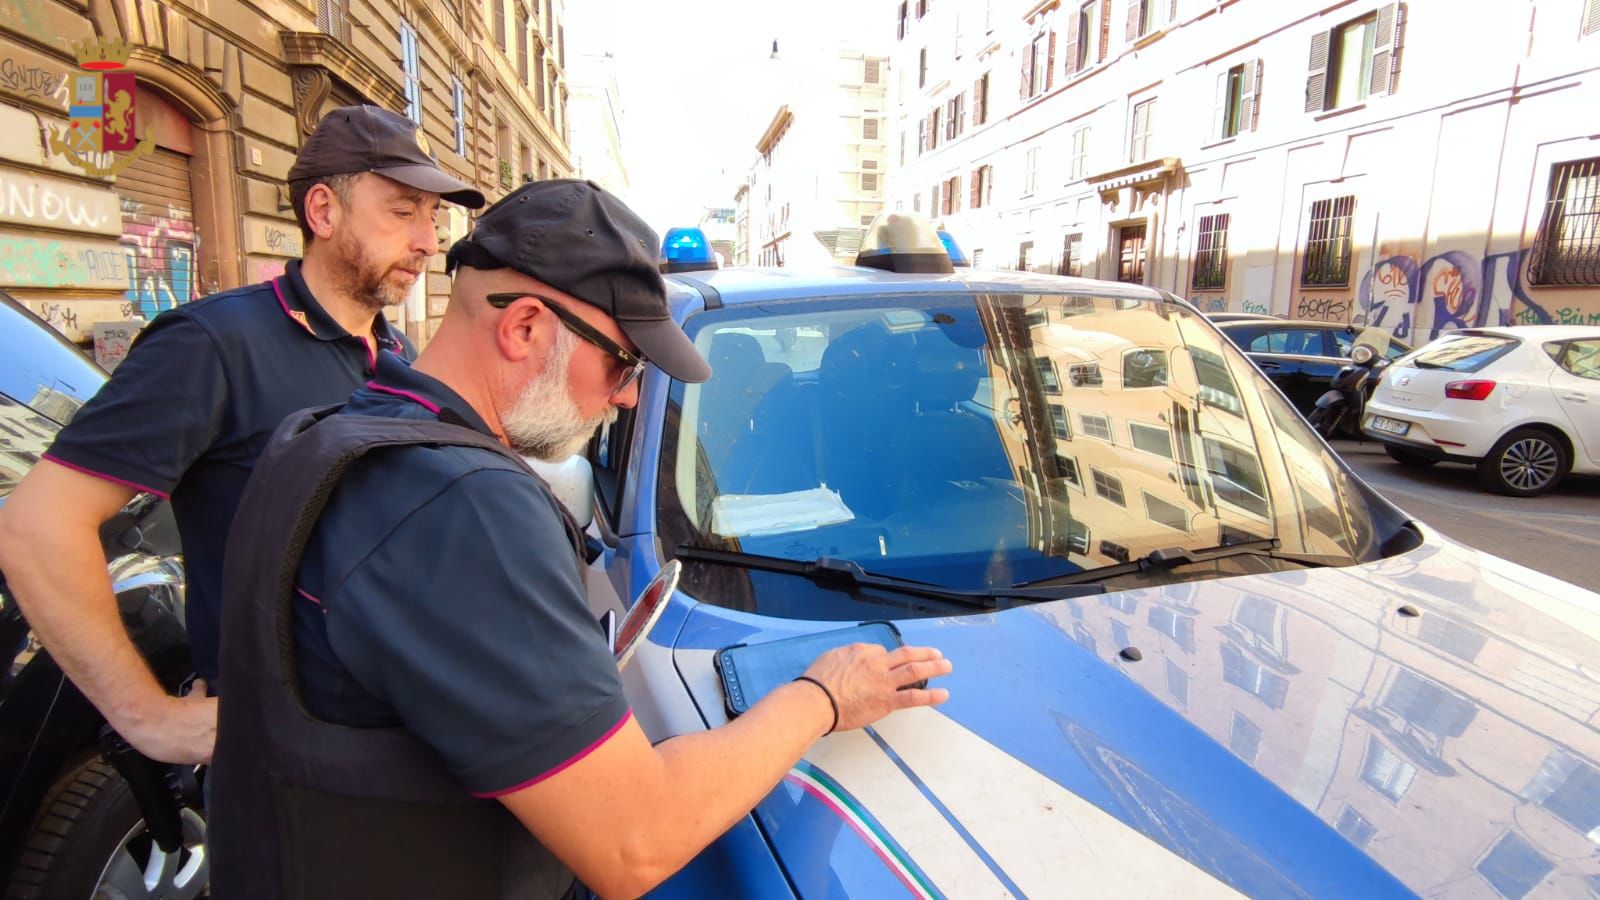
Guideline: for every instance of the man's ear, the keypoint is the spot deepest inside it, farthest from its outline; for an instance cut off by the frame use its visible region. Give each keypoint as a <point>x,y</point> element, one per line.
<point>322,211</point>
<point>521,331</point>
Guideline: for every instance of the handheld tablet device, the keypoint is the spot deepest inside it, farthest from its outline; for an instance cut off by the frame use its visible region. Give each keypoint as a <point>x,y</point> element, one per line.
<point>751,671</point>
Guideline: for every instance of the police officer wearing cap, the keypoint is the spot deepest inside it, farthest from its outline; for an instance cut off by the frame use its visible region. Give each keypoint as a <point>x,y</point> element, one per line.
<point>203,387</point>
<point>450,721</point>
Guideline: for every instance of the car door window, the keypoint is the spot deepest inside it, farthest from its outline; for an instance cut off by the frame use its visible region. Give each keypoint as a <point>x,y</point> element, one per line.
<point>1296,341</point>
<point>1582,358</point>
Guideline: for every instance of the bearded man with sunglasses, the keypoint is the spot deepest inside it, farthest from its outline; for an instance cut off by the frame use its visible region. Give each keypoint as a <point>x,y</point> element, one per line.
<point>437,606</point>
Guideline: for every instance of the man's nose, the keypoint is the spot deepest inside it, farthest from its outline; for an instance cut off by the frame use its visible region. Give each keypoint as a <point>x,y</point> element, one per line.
<point>628,397</point>
<point>426,239</point>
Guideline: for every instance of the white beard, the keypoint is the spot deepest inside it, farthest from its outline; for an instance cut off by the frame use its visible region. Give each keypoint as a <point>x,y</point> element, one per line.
<point>544,422</point>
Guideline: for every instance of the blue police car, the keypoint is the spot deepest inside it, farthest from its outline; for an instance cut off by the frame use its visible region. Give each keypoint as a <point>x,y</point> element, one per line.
<point>1195,655</point>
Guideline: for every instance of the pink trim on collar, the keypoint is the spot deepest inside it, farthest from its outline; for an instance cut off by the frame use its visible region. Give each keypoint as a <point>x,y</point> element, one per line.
<point>294,314</point>
<point>429,406</point>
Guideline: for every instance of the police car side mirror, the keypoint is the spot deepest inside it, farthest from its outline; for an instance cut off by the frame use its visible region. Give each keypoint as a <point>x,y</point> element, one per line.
<point>572,481</point>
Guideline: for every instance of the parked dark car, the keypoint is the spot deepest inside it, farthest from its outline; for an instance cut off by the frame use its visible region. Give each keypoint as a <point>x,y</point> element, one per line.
<point>1302,357</point>
<point>69,823</point>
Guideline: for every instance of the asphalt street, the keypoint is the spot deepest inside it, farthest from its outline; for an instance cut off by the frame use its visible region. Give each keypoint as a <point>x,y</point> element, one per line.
<point>1558,533</point>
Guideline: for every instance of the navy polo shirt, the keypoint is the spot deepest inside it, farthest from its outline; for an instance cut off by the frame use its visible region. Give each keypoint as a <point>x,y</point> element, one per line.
<point>188,412</point>
<point>439,592</point>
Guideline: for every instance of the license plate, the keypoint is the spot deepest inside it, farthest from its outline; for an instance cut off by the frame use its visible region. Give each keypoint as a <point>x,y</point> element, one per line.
<point>1392,426</point>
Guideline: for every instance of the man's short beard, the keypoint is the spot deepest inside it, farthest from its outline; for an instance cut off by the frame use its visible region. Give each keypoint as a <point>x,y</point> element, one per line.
<point>365,281</point>
<point>544,422</point>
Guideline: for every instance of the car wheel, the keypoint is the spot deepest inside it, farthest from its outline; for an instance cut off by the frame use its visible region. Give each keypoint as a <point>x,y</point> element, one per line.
<point>1524,463</point>
<point>1408,457</point>
<point>90,842</point>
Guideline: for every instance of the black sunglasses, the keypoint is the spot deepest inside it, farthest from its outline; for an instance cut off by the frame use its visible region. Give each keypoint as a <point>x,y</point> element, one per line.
<point>633,365</point>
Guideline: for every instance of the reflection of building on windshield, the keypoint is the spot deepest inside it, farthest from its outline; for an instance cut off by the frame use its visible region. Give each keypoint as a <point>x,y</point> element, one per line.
<point>25,435</point>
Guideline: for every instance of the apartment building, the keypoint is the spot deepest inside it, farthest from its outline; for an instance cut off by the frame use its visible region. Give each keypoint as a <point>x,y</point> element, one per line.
<point>820,160</point>
<point>1416,166</point>
<point>224,93</point>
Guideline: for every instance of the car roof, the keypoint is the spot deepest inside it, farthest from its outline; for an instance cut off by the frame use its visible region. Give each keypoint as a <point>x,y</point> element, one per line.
<point>755,285</point>
<point>1537,332</point>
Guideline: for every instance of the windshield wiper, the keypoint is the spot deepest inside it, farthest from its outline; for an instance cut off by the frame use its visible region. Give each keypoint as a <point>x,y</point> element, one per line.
<point>839,574</point>
<point>1172,557</point>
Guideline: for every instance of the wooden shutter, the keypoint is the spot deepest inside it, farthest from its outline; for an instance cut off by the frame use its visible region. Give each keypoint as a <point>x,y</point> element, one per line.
<point>977,102</point>
<point>1027,71</point>
<point>1073,37</point>
<point>1385,49</point>
<point>1050,63</point>
<point>973,197</point>
<point>955,194</point>
<point>1591,17</point>
<point>1249,91</point>
<point>1172,11</point>
<point>1105,30</point>
<point>1317,76</point>
<point>1135,14</point>
<point>1219,107</point>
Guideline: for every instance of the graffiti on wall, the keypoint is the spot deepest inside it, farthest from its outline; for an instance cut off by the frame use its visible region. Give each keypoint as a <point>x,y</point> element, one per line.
<point>1251,306</point>
<point>45,262</point>
<point>1323,309</point>
<point>32,80</point>
<point>1455,289</point>
<point>160,255</point>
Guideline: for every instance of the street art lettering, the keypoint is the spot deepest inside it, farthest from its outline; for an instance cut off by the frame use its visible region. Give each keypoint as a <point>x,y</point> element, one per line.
<point>30,200</point>
<point>1566,315</point>
<point>1210,304</point>
<point>34,262</point>
<point>1448,291</point>
<point>111,342</point>
<point>1250,306</point>
<point>30,80</point>
<point>59,316</point>
<point>1323,309</point>
<point>280,240</point>
<point>160,256</point>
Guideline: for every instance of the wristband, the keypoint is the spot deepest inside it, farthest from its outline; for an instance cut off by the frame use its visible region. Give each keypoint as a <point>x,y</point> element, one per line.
<point>831,702</point>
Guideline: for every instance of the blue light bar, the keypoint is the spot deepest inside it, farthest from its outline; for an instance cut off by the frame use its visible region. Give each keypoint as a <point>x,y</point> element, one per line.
<point>686,250</point>
<point>958,256</point>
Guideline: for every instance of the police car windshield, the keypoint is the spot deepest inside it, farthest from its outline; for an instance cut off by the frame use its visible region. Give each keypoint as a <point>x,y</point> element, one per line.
<point>980,441</point>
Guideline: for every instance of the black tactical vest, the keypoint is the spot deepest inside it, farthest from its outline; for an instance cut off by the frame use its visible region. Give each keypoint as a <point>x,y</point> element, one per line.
<point>302,808</point>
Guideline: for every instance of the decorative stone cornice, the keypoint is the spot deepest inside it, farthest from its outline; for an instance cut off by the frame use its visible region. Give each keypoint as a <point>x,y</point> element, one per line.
<point>313,48</point>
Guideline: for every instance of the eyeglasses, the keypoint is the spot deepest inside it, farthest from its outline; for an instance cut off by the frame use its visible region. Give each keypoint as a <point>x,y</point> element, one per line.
<point>633,365</point>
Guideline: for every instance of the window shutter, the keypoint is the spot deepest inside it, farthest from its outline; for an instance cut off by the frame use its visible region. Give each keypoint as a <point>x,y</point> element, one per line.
<point>922,136</point>
<point>1317,77</point>
<point>955,194</point>
<point>1250,90</point>
<point>1385,48</point>
<point>1219,106</point>
<point>1105,30</point>
<point>1591,17</point>
<point>977,102</point>
<point>1027,70</point>
<point>1050,63</point>
<point>972,189</point>
<point>1073,37</point>
<point>1172,11</point>
<point>1135,12</point>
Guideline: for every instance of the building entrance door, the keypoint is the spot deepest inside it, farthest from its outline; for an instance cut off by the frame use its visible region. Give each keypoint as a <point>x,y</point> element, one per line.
<point>1130,259</point>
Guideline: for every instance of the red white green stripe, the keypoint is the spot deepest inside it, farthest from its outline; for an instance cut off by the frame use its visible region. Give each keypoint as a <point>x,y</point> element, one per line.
<point>815,782</point>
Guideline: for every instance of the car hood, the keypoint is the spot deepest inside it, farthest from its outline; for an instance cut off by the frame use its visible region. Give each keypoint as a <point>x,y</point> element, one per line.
<point>1299,733</point>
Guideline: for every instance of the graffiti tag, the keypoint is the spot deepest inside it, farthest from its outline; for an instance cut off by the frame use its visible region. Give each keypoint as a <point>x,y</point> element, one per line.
<point>30,80</point>
<point>1323,309</point>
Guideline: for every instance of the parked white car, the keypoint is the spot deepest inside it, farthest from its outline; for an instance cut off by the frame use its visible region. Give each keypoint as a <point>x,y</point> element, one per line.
<point>1521,403</point>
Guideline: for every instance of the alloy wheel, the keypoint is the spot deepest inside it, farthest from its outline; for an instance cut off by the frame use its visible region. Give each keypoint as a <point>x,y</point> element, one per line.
<point>1530,463</point>
<point>141,869</point>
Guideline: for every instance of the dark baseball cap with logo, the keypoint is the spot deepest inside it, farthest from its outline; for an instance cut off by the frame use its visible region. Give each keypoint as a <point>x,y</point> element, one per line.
<point>580,240</point>
<point>372,139</point>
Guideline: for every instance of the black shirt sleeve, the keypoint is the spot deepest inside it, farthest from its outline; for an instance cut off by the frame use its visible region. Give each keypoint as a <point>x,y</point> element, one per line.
<point>162,408</point>
<point>470,620</point>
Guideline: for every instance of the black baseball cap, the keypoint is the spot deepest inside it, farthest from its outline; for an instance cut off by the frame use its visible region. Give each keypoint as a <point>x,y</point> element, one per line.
<point>580,240</point>
<point>369,138</point>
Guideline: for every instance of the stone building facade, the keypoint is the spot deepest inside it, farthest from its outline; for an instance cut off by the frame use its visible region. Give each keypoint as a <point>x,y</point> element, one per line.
<point>1418,166</point>
<point>229,90</point>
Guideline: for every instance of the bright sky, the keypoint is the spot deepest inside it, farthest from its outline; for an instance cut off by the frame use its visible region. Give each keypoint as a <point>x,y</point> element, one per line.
<point>695,91</point>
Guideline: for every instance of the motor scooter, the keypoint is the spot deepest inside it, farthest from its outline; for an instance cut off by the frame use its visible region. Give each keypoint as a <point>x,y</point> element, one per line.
<point>1346,400</point>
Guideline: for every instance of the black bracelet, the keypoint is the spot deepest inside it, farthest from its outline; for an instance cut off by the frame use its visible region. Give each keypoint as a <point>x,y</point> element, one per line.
<point>831,702</point>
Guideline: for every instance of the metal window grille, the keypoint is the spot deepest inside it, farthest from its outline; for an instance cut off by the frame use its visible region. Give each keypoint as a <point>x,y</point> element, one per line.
<point>1211,253</point>
<point>1567,250</point>
<point>333,19</point>
<point>1329,243</point>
